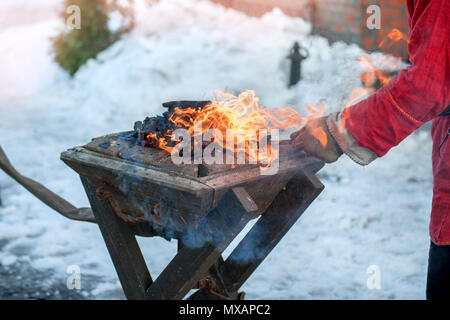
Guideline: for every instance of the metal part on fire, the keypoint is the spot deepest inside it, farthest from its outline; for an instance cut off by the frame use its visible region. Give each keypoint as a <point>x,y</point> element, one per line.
<point>185,104</point>
<point>297,55</point>
<point>51,199</point>
<point>149,131</point>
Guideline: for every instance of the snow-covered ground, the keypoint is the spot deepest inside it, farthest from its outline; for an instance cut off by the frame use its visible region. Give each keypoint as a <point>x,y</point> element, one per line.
<point>376,215</point>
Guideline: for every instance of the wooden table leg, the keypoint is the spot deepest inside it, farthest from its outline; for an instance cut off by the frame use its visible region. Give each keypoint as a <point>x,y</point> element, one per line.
<point>220,227</point>
<point>122,246</point>
<point>284,211</point>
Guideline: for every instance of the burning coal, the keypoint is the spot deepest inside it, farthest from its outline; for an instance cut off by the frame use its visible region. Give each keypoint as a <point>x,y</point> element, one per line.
<point>233,123</point>
<point>157,131</point>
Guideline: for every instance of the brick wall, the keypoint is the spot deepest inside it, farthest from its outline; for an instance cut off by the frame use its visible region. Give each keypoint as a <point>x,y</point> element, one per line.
<point>394,14</point>
<point>346,20</point>
<point>293,8</point>
<point>339,19</point>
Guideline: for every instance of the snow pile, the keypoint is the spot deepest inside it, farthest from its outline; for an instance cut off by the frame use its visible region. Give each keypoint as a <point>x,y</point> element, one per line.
<point>24,54</point>
<point>184,50</point>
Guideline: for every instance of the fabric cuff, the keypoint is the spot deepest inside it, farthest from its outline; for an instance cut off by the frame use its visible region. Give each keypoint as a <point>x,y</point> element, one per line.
<point>347,143</point>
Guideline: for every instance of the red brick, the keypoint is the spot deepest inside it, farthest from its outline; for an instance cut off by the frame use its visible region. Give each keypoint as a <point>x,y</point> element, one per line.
<point>368,43</point>
<point>398,3</point>
<point>355,29</point>
<point>391,12</point>
<point>399,24</point>
<point>350,19</point>
<point>338,27</point>
<point>345,19</point>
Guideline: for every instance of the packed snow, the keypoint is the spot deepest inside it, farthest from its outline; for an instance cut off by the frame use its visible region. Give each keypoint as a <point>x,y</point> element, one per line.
<point>367,216</point>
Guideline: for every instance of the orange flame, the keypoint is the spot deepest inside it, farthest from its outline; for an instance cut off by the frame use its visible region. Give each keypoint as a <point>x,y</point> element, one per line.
<point>369,77</point>
<point>320,135</point>
<point>395,35</point>
<point>241,114</point>
<point>373,73</point>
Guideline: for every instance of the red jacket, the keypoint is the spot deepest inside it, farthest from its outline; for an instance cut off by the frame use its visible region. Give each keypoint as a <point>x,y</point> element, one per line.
<point>418,94</point>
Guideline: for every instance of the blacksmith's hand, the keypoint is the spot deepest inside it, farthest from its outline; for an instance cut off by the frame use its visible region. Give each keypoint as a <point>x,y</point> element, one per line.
<point>315,138</point>
<point>326,138</point>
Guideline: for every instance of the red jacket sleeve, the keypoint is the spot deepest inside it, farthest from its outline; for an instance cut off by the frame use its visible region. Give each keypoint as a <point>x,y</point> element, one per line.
<point>418,94</point>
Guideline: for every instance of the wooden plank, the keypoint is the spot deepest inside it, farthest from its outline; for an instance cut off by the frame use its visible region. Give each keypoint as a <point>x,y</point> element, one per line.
<point>254,182</point>
<point>185,193</point>
<point>185,200</point>
<point>91,160</point>
<point>112,145</point>
<point>235,178</point>
<point>122,246</point>
<point>292,161</point>
<point>284,211</point>
<point>136,201</point>
<point>217,230</point>
<point>221,284</point>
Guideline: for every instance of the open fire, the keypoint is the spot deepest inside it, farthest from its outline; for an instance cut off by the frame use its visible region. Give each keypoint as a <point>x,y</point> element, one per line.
<point>229,124</point>
<point>238,124</point>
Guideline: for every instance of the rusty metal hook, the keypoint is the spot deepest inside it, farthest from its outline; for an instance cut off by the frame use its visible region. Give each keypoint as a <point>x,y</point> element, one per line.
<point>103,195</point>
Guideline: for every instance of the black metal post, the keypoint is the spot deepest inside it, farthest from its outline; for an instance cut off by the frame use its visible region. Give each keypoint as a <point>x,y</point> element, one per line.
<point>297,55</point>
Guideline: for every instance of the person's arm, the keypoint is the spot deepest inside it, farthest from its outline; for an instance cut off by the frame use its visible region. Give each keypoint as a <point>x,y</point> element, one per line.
<point>419,93</point>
